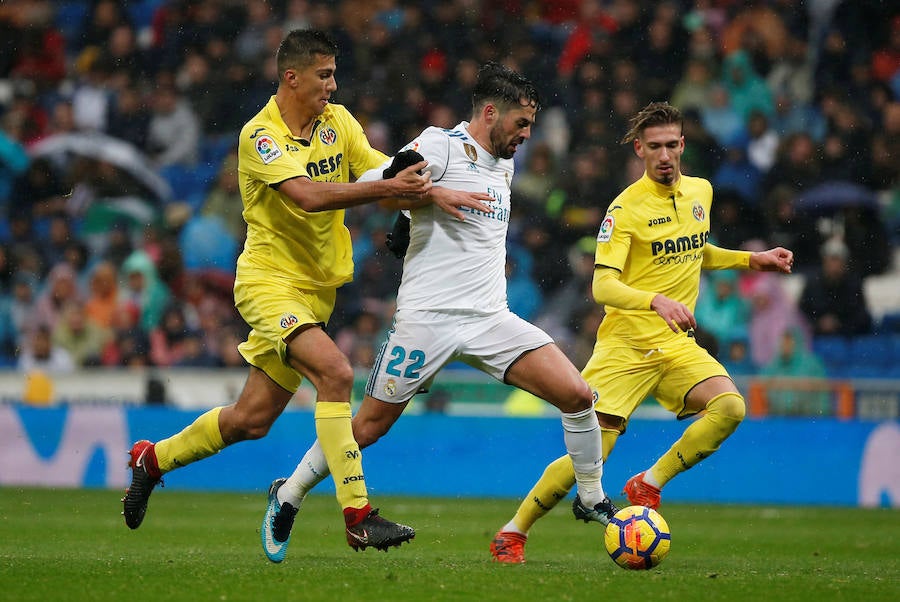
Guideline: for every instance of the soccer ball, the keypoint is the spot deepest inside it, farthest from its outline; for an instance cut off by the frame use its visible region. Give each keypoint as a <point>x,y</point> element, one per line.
<point>637,537</point>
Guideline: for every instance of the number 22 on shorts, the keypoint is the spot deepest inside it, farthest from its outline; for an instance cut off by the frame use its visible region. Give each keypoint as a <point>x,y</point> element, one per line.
<point>414,362</point>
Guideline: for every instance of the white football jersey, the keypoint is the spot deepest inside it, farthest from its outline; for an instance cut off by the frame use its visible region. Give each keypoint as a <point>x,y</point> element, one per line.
<point>451,264</point>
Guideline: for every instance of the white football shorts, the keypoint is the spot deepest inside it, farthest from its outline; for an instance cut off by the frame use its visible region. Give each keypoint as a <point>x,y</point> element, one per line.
<point>422,342</point>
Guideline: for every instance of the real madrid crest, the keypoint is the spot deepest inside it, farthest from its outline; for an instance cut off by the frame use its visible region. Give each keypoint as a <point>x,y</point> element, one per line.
<point>471,153</point>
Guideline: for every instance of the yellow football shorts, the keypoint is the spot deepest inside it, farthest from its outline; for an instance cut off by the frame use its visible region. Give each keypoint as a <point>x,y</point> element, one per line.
<point>622,377</point>
<point>274,310</point>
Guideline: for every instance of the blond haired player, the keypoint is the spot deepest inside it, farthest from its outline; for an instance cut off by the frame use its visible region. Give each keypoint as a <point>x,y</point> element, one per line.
<point>297,157</point>
<point>651,247</point>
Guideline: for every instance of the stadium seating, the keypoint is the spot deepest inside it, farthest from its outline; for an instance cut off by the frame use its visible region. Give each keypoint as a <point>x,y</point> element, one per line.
<point>869,356</point>
<point>213,149</point>
<point>190,184</point>
<point>890,323</point>
<point>834,353</point>
<point>141,11</point>
<point>70,18</point>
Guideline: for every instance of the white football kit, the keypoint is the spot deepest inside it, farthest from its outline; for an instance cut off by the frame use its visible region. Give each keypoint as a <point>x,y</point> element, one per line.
<point>452,299</point>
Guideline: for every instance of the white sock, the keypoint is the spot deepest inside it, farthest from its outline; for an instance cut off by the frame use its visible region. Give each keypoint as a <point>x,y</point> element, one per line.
<point>582,436</point>
<point>512,527</point>
<point>650,479</point>
<point>311,471</point>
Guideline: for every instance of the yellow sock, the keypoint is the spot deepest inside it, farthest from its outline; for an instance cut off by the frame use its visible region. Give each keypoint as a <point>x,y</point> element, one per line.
<point>200,439</point>
<point>724,413</point>
<point>554,485</point>
<point>609,438</point>
<point>342,452</point>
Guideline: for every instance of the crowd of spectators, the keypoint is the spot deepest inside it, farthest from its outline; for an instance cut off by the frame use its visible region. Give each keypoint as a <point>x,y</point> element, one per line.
<point>100,265</point>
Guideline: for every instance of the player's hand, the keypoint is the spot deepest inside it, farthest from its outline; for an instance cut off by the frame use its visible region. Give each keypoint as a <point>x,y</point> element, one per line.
<point>774,260</point>
<point>405,175</point>
<point>676,315</point>
<point>450,201</point>
<point>401,161</point>
<point>409,183</point>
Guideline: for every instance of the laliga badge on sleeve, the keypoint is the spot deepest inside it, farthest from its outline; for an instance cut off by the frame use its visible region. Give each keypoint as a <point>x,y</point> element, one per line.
<point>413,146</point>
<point>606,229</point>
<point>267,149</point>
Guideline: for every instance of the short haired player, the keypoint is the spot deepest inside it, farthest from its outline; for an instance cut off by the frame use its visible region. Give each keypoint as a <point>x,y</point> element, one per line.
<point>652,245</point>
<point>451,304</point>
<point>296,160</point>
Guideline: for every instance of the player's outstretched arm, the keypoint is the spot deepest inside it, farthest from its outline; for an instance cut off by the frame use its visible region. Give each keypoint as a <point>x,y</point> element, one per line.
<point>324,196</point>
<point>400,165</point>
<point>778,259</point>
<point>447,200</point>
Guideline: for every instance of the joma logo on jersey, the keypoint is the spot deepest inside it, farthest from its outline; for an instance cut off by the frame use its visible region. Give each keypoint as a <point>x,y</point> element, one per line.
<point>680,244</point>
<point>324,166</point>
<point>658,220</point>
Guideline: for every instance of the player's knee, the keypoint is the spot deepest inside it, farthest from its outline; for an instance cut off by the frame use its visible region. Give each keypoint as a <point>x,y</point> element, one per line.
<point>730,407</point>
<point>578,398</point>
<point>337,383</point>
<point>238,423</point>
<point>257,431</point>
<point>586,396</point>
<point>368,432</point>
<point>249,427</point>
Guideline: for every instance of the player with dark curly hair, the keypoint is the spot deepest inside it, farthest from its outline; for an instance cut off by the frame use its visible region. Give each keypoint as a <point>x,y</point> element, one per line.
<point>452,306</point>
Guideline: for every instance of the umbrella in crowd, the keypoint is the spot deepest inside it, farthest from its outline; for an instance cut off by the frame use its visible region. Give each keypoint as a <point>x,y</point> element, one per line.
<point>132,171</point>
<point>833,196</point>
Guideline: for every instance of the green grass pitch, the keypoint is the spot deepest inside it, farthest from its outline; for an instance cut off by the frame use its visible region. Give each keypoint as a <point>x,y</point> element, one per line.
<point>73,545</point>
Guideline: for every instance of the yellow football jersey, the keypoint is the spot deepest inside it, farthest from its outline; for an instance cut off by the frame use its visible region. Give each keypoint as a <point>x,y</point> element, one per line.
<point>307,250</point>
<point>655,235</point>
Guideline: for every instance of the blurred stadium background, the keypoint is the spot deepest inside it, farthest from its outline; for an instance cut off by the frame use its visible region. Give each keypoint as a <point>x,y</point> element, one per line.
<point>120,223</point>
